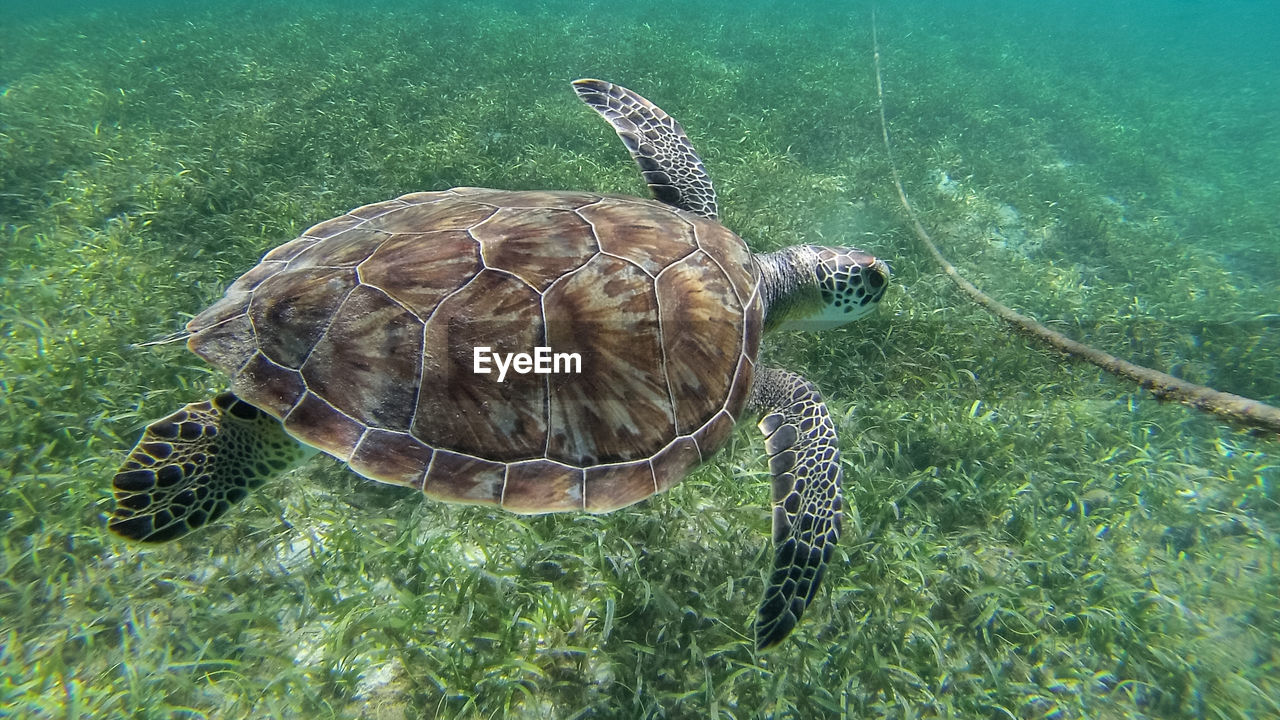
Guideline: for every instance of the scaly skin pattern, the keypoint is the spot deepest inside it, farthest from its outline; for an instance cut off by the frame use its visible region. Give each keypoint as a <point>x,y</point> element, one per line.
<point>670,166</point>
<point>804,459</point>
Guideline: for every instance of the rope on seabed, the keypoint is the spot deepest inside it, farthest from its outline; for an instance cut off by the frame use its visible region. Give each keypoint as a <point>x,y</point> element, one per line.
<point>1235,408</point>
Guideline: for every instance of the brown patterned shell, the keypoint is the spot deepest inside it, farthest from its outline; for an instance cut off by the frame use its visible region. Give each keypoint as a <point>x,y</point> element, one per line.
<point>360,337</point>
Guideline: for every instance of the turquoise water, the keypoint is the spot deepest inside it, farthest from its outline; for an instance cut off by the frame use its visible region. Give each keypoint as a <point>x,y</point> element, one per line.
<point>1025,536</point>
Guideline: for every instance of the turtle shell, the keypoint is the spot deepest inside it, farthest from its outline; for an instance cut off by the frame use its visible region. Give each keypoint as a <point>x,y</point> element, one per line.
<point>361,336</point>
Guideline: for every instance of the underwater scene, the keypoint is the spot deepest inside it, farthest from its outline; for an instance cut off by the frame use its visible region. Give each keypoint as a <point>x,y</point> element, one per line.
<point>1023,534</point>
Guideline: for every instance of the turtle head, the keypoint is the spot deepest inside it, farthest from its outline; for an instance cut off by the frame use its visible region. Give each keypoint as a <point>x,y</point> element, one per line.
<point>810,287</point>
<point>851,283</point>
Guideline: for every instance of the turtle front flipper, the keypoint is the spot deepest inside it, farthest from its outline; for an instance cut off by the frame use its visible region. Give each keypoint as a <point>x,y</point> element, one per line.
<point>190,467</point>
<point>804,459</point>
<point>671,167</point>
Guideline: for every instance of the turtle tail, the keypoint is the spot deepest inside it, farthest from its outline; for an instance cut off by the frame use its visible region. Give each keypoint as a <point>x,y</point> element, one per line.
<point>191,466</point>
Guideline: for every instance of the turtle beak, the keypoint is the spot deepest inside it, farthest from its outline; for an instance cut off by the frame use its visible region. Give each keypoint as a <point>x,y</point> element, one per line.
<point>878,273</point>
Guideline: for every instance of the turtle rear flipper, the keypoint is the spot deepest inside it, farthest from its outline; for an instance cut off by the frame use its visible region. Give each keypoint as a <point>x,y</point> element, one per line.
<point>804,459</point>
<point>190,467</point>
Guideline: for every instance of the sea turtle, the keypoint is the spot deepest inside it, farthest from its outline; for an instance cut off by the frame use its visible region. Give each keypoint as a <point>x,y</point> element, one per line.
<point>364,337</point>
